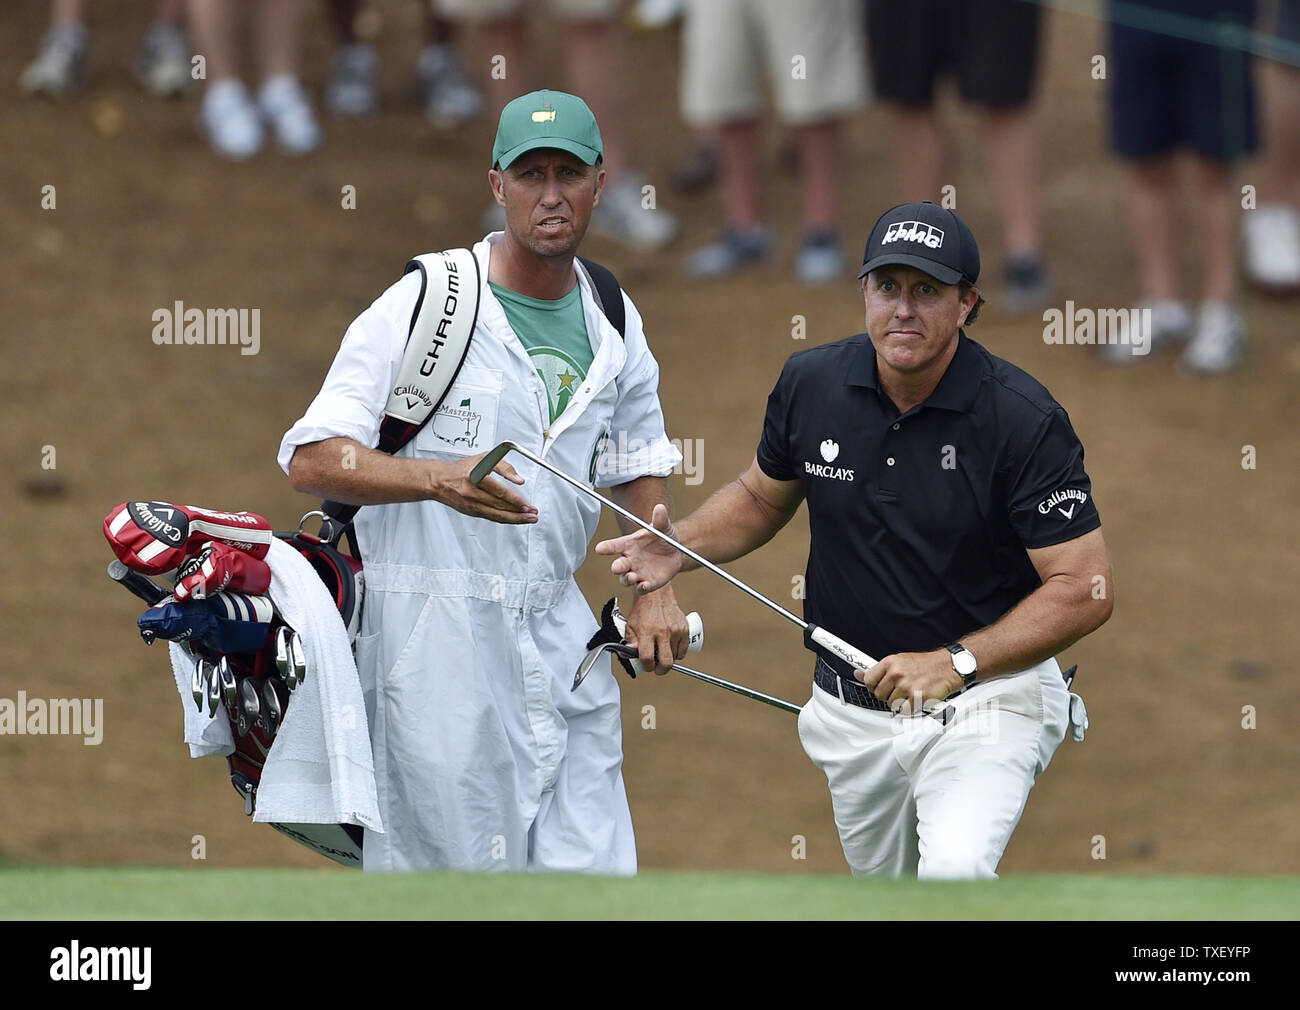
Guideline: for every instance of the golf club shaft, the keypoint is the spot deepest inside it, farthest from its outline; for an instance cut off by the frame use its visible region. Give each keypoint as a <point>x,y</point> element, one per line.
<point>831,643</point>
<point>703,562</point>
<point>630,653</point>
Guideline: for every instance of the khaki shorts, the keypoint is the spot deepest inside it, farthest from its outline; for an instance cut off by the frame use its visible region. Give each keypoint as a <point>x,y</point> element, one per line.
<point>811,51</point>
<point>492,10</point>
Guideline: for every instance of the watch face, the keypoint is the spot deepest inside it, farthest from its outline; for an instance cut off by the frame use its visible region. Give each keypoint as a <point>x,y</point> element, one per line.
<point>964,663</point>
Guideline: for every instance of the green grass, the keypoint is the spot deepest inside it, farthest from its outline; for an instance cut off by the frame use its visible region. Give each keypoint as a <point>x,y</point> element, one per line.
<point>307,894</point>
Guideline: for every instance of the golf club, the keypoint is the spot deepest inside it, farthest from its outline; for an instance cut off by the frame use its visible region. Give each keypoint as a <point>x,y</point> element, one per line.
<point>854,657</point>
<point>250,707</point>
<point>629,652</point>
<point>271,711</point>
<point>141,585</point>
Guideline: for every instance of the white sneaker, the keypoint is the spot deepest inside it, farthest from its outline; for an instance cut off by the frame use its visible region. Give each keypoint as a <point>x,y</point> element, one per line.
<point>620,216</point>
<point>351,90</point>
<point>229,119</point>
<point>1270,236</point>
<point>287,111</point>
<point>60,66</point>
<point>1171,323</point>
<point>164,65</point>
<point>1219,344</point>
<point>450,100</point>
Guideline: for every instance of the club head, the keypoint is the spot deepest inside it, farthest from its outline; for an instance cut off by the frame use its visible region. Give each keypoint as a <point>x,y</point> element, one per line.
<point>282,657</point>
<point>199,683</point>
<point>484,466</point>
<point>249,707</point>
<point>272,714</point>
<point>590,660</point>
<point>298,656</point>
<point>214,691</point>
<point>227,678</point>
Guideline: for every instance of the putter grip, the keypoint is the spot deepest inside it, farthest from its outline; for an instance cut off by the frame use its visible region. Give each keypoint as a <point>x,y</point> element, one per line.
<point>836,646</point>
<point>696,625</point>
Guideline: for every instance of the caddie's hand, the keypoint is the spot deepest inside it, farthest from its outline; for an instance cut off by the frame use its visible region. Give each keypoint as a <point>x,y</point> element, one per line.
<point>658,629</point>
<point>488,500</point>
<point>644,561</point>
<point>909,681</point>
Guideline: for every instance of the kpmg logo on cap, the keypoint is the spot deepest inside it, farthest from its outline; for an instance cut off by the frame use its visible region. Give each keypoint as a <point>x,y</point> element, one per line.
<point>913,231</point>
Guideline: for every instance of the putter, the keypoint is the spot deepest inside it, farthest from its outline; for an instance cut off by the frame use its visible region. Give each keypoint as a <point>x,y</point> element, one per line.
<point>249,707</point>
<point>837,646</point>
<point>272,714</point>
<point>628,652</point>
<point>226,676</point>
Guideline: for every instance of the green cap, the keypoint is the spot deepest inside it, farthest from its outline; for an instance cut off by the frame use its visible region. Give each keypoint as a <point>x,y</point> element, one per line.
<point>547,119</point>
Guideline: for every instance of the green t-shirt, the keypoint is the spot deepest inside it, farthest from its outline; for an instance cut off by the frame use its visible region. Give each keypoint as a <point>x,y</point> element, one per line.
<point>555,335</point>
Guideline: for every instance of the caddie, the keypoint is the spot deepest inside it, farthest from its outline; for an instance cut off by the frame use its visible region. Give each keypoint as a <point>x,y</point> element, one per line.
<point>954,535</point>
<point>473,624</point>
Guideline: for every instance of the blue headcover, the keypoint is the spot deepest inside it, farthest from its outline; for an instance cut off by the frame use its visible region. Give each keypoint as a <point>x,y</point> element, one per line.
<point>224,622</point>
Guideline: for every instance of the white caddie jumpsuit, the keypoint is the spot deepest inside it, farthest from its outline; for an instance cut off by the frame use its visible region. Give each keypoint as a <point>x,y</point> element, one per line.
<point>472,630</point>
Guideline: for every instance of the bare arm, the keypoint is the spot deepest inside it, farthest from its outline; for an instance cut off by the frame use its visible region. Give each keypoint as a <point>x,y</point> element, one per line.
<point>1075,599</point>
<point>738,518</point>
<point>656,624</point>
<point>346,471</point>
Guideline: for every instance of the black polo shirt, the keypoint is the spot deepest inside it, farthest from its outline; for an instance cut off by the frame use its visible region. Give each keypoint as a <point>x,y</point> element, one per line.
<point>920,522</point>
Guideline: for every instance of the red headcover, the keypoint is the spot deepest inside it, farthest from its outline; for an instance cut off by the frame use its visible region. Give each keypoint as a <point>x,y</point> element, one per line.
<point>156,537</point>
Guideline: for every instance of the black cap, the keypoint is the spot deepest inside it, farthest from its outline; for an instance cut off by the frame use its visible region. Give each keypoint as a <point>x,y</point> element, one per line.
<point>925,236</point>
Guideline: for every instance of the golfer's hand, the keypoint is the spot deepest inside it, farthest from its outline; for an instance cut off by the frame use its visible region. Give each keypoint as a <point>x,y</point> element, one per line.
<point>644,561</point>
<point>912,681</point>
<point>658,629</point>
<point>489,500</point>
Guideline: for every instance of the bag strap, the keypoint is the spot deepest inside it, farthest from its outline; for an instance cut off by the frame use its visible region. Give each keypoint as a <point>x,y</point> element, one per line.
<point>437,343</point>
<point>609,294</point>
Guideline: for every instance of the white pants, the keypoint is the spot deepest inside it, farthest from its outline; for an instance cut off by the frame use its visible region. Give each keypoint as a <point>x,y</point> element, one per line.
<point>914,796</point>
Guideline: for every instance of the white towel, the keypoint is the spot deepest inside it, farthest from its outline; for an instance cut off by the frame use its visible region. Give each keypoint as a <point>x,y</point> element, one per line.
<point>320,769</point>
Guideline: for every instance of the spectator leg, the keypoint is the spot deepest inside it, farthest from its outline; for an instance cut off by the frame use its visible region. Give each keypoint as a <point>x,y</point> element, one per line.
<point>212,29</point>
<point>1153,199</point>
<point>738,147</point>
<point>279,37</point>
<point>819,150</point>
<point>1013,167</point>
<point>504,38</point>
<point>919,148</point>
<point>593,55</point>
<point>1216,220</point>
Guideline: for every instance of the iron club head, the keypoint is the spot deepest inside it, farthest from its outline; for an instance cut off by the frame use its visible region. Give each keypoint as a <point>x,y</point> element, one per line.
<point>227,678</point>
<point>282,656</point>
<point>272,714</point>
<point>199,683</point>
<point>589,660</point>
<point>298,656</point>
<point>214,691</point>
<point>249,706</point>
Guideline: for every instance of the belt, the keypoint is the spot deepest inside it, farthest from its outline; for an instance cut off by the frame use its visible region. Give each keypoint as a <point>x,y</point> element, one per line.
<point>845,689</point>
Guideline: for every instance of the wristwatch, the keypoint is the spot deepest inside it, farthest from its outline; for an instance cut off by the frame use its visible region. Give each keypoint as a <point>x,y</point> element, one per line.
<point>963,661</point>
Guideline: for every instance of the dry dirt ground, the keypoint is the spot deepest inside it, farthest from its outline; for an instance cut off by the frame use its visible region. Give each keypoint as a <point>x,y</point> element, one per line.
<point>1204,550</point>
